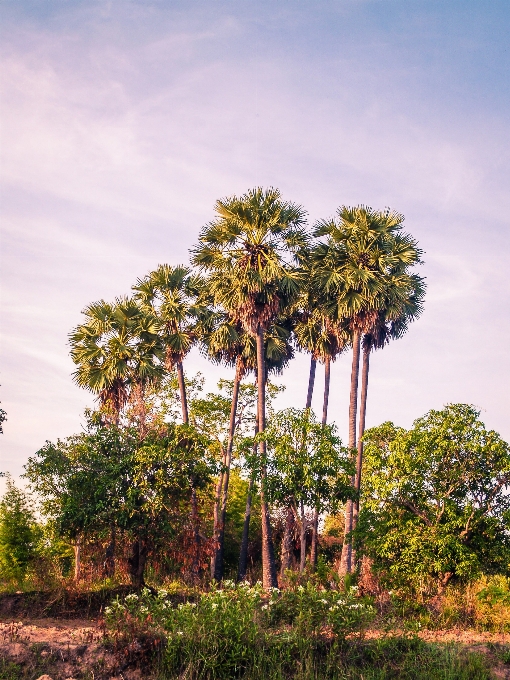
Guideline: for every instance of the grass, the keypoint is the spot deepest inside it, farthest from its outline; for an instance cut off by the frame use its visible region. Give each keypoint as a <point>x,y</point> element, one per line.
<point>385,659</point>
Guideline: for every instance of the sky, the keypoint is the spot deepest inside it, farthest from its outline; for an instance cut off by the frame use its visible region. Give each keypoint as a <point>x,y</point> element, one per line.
<point>123,122</point>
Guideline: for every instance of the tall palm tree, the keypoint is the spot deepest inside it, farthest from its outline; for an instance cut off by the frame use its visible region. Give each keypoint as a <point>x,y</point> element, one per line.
<point>351,266</point>
<point>172,296</point>
<point>278,355</point>
<point>117,351</point>
<point>247,251</point>
<point>324,339</point>
<point>401,303</point>
<point>228,343</point>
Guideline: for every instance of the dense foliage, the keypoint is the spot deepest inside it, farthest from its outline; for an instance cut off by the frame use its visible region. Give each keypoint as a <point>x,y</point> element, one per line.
<point>435,499</point>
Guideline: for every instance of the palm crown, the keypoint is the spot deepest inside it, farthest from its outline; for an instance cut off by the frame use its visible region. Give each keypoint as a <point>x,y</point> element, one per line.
<point>248,250</point>
<point>115,349</point>
<point>171,295</point>
<point>363,251</point>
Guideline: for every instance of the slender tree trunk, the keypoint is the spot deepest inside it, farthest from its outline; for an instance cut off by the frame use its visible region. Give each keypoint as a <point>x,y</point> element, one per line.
<point>77,558</point>
<point>218,571</point>
<point>243,555</point>
<point>216,513</point>
<point>361,430</point>
<point>346,559</point>
<point>302,539</point>
<point>137,561</point>
<point>311,382</point>
<point>315,539</point>
<point>286,561</point>
<point>269,578</point>
<point>286,558</point>
<point>195,564</point>
<point>109,562</point>
<point>327,380</point>
<point>182,392</point>
<point>315,525</point>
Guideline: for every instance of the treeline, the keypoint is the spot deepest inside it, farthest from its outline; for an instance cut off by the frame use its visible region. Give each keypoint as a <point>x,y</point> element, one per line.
<point>179,476</point>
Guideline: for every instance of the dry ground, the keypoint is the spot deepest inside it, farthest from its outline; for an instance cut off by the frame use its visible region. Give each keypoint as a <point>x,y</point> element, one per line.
<point>63,649</point>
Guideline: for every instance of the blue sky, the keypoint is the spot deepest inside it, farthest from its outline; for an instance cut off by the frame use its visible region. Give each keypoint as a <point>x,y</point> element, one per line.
<point>122,122</point>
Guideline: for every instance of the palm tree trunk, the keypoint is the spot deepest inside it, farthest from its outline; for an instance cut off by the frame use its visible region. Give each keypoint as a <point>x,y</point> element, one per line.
<point>182,392</point>
<point>243,555</point>
<point>346,559</point>
<point>269,578</point>
<point>195,564</point>
<point>361,430</point>
<point>327,380</point>
<point>289,520</point>
<point>315,525</point>
<point>194,504</point>
<point>302,539</point>
<point>311,382</point>
<point>218,566</point>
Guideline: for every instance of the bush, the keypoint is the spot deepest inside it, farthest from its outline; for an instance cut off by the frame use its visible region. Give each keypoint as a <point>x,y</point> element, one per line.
<point>231,631</point>
<point>435,501</point>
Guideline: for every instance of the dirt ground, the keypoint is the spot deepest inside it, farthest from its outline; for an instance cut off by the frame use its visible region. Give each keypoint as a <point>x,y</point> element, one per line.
<point>72,649</point>
<point>63,650</point>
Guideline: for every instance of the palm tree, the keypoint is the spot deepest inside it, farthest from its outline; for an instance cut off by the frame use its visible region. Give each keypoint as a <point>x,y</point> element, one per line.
<point>324,339</point>
<point>172,296</point>
<point>351,267</point>
<point>402,303</point>
<point>279,352</point>
<point>117,352</point>
<point>228,343</point>
<point>247,251</point>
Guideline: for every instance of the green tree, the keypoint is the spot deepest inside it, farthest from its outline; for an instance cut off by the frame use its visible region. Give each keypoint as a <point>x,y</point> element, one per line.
<point>307,467</point>
<point>246,252</point>
<point>172,296</point>
<point>118,352</point>
<point>107,479</point>
<point>400,304</point>
<point>229,343</point>
<point>324,338</point>
<point>435,499</point>
<point>19,534</point>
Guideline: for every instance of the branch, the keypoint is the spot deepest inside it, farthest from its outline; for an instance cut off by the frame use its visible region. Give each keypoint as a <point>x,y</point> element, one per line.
<point>417,512</point>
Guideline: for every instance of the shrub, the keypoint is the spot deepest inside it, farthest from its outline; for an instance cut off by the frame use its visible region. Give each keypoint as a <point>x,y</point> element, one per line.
<point>230,631</point>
